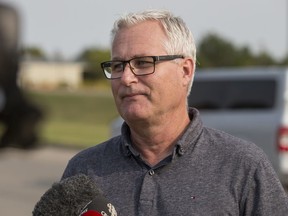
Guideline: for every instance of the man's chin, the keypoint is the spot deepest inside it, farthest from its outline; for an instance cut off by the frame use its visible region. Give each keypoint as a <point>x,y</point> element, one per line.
<point>134,116</point>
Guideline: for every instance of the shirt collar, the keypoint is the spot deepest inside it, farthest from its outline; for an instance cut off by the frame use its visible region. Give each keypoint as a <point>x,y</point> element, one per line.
<point>191,134</point>
<point>187,140</point>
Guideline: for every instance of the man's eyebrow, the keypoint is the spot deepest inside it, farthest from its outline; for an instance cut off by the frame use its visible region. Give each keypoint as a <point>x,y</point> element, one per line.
<point>131,57</point>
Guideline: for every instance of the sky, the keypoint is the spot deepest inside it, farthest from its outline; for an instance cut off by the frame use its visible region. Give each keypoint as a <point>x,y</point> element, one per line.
<point>67,27</point>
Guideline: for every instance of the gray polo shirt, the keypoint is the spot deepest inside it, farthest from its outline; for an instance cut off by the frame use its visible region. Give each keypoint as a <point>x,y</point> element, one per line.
<point>209,173</point>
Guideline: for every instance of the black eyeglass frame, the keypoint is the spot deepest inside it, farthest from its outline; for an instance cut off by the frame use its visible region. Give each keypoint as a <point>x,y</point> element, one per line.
<point>124,63</point>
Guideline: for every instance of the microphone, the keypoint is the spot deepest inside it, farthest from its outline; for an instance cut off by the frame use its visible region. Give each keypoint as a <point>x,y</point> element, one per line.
<point>74,196</point>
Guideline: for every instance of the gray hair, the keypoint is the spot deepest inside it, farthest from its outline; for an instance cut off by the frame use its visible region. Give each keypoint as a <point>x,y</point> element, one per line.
<point>180,39</point>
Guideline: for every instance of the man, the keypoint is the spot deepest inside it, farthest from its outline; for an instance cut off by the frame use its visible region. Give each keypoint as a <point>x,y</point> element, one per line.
<point>165,162</point>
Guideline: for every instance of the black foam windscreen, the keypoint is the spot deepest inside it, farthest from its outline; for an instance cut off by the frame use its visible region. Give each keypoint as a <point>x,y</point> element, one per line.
<point>67,197</point>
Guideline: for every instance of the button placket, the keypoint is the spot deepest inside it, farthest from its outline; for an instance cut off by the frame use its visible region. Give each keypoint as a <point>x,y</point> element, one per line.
<point>147,194</point>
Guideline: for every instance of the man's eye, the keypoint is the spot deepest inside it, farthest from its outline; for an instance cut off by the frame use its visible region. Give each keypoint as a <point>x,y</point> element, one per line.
<point>142,63</point>
<point>117,67</point>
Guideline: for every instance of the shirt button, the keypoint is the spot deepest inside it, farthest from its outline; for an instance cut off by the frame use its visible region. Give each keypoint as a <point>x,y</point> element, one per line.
<point>151,172</point>
<point>180,151</point>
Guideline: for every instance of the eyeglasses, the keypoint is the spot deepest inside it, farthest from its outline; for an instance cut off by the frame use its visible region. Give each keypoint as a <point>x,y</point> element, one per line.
<point>139,66</point>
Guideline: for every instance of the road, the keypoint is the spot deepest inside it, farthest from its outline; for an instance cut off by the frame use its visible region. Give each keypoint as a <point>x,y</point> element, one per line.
<point>27,174</point>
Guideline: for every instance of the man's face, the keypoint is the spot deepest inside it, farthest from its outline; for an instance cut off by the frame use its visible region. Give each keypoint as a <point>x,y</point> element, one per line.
<point>149,97</point>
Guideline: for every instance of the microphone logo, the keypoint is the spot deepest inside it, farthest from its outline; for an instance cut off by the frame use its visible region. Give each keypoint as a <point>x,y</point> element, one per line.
<point>100,210</point>
<point>91,213</point>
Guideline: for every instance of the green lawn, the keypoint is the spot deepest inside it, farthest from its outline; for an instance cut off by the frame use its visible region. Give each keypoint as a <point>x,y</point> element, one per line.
<point>79,118</point>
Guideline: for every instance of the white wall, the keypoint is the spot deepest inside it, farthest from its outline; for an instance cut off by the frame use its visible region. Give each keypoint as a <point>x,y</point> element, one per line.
<point>49,75</point>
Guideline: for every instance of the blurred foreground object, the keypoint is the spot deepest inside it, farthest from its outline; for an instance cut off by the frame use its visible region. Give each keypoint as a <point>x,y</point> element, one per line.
<point>18,116</point>
<point>74,196</point>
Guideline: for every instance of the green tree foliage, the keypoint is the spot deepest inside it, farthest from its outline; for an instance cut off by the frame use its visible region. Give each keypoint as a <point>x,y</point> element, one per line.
<point>215,51</point>
<point>244,57</point>
<point>263,58</point>
<point>33,53</point>
<point>93,57</point>
<point>284,61</point>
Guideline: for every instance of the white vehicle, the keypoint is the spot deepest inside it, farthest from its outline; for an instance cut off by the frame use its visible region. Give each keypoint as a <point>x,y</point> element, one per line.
<point>251,103</point>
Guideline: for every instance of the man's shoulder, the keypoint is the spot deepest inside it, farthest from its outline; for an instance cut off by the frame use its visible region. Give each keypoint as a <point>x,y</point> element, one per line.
<point>226,143</point>
<point>99,150</point>
<point>94,158</point>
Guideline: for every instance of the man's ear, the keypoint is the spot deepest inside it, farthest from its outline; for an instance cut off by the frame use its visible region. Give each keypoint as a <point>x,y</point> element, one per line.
<point>188,68</point>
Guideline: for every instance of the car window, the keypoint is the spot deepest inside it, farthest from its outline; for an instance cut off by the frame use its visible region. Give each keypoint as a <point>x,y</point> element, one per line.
<point>232,94</point>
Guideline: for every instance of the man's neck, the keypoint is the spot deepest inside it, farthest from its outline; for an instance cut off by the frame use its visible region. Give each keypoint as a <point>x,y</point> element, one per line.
<point>156,141</point>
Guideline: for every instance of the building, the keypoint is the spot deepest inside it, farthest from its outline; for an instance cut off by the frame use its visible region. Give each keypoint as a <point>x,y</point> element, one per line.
<point>50,75</point>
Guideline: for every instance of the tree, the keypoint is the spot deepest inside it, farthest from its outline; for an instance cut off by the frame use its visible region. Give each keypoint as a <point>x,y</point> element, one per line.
<point>214,51</point>
<point>245,57</point>
<point>264,59</point>
<point>33,53</point>
<point>93,57</point>
<point>284,61</point>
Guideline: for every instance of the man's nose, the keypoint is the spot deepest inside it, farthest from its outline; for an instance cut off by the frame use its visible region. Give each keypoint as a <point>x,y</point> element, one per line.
<point>128,75</point>
<point>128,65</point>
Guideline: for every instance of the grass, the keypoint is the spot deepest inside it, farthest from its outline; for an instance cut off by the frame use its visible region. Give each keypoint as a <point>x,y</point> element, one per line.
<point>77,118</point>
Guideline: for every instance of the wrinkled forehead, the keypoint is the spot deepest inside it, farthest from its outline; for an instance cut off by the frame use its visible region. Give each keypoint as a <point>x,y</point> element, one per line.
<point>146,38</point>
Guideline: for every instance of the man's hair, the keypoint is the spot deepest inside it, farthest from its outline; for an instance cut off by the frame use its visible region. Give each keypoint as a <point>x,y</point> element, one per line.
<point>180,39</point>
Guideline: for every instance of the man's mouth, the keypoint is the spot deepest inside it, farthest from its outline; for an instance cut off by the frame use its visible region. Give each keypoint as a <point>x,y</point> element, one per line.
<point>130,95</point>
